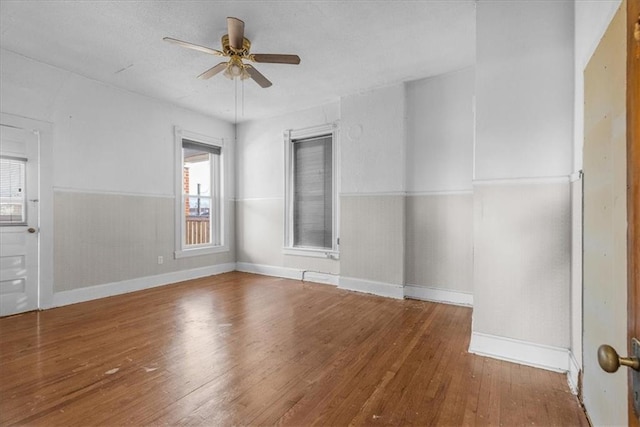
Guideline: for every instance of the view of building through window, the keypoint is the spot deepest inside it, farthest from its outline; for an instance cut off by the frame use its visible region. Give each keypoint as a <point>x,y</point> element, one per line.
<point>198,181</point>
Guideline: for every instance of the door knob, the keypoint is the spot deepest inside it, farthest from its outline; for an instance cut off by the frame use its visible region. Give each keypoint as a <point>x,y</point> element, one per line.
<point>610,361</point>
<point>31,230</point>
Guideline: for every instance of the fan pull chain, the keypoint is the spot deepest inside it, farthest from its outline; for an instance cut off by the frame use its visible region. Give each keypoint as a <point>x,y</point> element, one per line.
<point>235,92</point>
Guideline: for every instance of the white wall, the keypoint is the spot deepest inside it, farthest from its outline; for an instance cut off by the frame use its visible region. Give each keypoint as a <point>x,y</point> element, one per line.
<point>372,142</point>
<point>260,151</point>
<point>372,162</point>
<point>108,144</point>
<point>524,89</point>
<point>440,129</point>
<point>523,156</point>
<point>106,139</point>
<point>260,190</point>
<point>439,204</point>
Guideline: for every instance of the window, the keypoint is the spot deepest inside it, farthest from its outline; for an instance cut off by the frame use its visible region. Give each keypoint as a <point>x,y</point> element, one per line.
<point>199,187</point>
<point>12,194</point>
<point>311,199</point>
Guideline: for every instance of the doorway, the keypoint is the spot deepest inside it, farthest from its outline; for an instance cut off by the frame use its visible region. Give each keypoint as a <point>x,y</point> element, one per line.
<point>19,220</point>
<point>26,215</point>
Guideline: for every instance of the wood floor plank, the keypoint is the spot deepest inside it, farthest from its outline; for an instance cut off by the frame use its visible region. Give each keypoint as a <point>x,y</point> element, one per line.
<point>474,379</point>
<point>244,349</point>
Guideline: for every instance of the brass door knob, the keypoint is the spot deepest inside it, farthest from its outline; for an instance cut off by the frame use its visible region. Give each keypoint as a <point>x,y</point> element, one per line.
<point>610,361</point>
<point>31,230</point>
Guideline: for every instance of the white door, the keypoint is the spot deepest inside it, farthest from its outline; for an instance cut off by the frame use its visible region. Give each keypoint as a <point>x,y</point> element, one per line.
<point>19,220</point>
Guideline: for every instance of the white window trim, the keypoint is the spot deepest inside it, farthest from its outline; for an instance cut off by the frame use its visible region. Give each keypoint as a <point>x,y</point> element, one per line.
<point>289,136</point>
<point>223,246</point>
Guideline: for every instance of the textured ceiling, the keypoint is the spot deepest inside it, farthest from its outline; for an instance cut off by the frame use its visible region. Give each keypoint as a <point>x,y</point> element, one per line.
<point>345,46</point>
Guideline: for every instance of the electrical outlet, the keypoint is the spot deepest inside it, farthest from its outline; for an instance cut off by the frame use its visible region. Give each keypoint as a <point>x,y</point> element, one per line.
<point>160,259</point>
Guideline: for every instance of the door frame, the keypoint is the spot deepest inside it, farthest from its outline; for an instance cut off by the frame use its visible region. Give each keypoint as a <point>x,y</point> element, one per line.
<point>633,188</point>
<point>44,130</point>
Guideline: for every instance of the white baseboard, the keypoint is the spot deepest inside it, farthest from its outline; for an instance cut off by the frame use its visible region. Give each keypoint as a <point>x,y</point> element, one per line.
<point>269,270</point>
<point>116,288</point>
<point>573,374</point>
<point>288,273</point>
<point>317,277</point>
<point>446,296</point>
<point>371,287</point>
<point>521,352</point>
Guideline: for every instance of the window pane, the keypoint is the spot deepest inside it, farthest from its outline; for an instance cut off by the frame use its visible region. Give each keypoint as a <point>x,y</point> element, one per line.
<point>196,172</point>
<point>12,191</point>
<point>313,188</point>
<point>197,220</point>
<point>200,207</point>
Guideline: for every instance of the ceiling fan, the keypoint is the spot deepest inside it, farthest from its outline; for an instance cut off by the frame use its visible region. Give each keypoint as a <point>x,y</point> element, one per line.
<point>236,47</point>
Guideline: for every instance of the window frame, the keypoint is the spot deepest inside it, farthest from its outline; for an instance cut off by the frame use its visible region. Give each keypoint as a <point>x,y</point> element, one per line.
<point>23,180</point>
<point>290,136</point>
<point>217,211</point>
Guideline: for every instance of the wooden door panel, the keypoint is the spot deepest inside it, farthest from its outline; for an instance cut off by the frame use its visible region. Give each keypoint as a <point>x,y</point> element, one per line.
<point>633,183</point>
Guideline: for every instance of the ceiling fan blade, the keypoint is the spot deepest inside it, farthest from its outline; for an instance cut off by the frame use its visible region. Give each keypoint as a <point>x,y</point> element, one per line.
<point>275,58</point>
<point>235,29</point>
<point>194,46</point>
<point>213,71</point>
<point>258,77</point>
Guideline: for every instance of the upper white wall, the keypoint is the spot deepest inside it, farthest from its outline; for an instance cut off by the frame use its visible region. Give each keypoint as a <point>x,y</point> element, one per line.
<point>591,21</point>
<point>524,89</point>
<point>372,141</point>
<point>105,139</point>
<point>260,151</point>
<point>440,131</point>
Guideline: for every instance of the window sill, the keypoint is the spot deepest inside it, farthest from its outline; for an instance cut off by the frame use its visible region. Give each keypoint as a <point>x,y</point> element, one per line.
<point>314,253</point>
<point>185,253</point>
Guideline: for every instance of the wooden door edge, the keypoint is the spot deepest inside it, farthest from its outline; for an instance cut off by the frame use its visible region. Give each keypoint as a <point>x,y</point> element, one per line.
<point>633,185</point>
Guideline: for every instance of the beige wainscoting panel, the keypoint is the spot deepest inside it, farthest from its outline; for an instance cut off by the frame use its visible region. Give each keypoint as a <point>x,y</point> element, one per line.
<point>440,241</point>
<point>260,238</point>
<point>372,231</point>
<point>259,231</point>
<point>104,238</point>
<point>522,261</point>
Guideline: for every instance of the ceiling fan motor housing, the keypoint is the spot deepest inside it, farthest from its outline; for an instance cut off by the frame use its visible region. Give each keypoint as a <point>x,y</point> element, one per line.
<point>228,50</point>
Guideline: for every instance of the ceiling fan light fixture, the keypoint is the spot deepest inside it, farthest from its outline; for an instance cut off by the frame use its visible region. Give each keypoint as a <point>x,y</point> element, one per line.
<point>235,68</point>
<point>233,71</point>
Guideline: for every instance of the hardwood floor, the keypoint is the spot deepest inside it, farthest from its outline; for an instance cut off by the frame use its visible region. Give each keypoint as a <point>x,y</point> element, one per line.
<point>240,349</point>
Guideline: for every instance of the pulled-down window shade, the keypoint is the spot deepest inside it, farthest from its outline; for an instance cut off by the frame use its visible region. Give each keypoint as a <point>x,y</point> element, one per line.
<point>188,145</point>
<point>313,192</point>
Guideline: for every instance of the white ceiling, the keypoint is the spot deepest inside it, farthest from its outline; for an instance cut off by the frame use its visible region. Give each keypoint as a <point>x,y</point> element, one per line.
<point>345,46</point>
